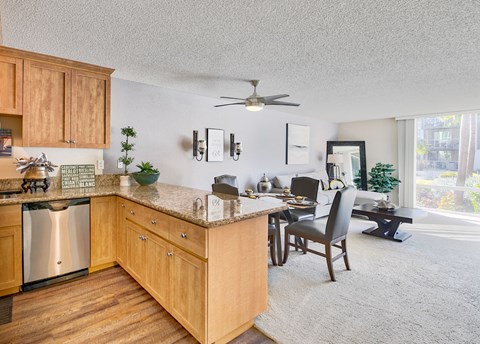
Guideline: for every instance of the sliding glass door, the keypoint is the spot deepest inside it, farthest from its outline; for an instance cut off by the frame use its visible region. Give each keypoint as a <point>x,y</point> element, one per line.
<point>448,163</point>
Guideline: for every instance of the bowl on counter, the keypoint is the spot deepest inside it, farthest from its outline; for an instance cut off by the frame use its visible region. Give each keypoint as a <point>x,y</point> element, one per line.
<point>145,178</point>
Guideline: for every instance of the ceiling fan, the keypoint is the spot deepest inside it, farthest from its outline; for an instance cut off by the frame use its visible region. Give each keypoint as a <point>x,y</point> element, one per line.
<point>256,102</point>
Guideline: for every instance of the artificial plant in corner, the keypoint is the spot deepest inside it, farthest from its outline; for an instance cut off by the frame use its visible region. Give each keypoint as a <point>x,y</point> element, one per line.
<point>381,179</point>
<point>127,146</point>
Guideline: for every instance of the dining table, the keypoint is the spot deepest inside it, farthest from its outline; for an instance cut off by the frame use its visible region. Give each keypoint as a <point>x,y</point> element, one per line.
<point>275,217</point>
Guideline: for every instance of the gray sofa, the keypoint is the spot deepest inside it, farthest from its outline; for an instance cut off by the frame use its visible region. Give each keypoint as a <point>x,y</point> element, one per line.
<point>324,196</point>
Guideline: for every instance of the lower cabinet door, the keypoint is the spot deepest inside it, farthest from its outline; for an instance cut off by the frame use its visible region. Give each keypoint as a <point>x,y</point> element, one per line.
<point>10,257</point>
<point>157,275</point>
<point>188,292</point>
<point>102,230</point>
<point>136,252</point>
<point>121,233</point>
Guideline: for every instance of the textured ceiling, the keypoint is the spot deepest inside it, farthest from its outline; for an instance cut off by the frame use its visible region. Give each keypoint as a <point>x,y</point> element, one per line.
<point>342,60</point>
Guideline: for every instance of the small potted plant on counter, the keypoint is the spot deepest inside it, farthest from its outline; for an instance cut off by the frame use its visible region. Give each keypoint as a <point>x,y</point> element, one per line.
<point>147,174</point>
<point>125,159</point>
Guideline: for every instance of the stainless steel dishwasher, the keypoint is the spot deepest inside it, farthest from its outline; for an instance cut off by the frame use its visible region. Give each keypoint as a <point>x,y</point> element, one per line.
<point>56,241</point>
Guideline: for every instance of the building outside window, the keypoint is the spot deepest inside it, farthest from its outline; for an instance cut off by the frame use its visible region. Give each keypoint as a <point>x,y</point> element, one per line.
<point>448,163</point>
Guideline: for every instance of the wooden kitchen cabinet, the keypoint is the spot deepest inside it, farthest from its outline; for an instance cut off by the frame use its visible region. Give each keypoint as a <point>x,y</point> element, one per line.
<point>136,252</point>
<point>65,107</point>
<point>63,103</point>
<point>187,291</point>
<point>90,116</point>
<point>10,249</point>
<point>157,273</point>
<point>175,278</point>
<point>121,233</point>
<point>11,85</point>
<point>47,105</point>
<point>212,280</point>
<point>103,230</point>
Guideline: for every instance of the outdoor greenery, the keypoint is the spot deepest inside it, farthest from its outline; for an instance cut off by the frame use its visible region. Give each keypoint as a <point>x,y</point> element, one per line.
<point>357,180</point>
<point>147,168</point>
<point>381,179</point>
<point>127,147</point>
<point>438,198</point>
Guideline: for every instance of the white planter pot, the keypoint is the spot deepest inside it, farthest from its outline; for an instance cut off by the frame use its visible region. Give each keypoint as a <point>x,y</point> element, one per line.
<point>124,180</point>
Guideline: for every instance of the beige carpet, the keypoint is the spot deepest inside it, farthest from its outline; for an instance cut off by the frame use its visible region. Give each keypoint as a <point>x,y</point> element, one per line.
<point>424,290</point>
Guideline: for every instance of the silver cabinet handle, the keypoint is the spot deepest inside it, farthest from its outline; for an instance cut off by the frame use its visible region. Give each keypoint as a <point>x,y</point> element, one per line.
<point>132,212</point>
<point>73,141</point>
<point>154,222</point>
<point>184,235</point>
<point>122,205</point>
<point>140,237</point>
<point>68,141</point>
<point>169,254</point>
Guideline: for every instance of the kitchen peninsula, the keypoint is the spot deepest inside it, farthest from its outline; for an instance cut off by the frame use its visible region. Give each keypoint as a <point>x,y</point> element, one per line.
<point>201,256</point>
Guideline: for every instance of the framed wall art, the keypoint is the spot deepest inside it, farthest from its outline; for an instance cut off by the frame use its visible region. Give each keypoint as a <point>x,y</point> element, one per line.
<point>298,144</point>
<point>215,144</point>
<point>5,142</point>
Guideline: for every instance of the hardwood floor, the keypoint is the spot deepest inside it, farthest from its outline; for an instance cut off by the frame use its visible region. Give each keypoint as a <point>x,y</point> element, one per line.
<point>105,307</point>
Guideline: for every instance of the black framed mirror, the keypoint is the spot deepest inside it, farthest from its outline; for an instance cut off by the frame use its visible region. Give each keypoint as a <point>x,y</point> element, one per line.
<point>354,162</point>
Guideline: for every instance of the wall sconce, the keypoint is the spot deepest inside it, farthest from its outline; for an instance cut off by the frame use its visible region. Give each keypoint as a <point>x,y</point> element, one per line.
<point>235,147</point>
<point>199,146</point>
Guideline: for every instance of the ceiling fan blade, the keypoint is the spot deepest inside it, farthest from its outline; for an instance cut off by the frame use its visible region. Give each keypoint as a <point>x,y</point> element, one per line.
<point>243,103</point>
<point>278,96</point>
<point>274,102</point>
<point>233,98</point>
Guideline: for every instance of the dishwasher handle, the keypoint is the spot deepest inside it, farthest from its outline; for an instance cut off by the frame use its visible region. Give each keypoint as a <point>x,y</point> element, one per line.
<point>58,205</point>
<point>55,205</point>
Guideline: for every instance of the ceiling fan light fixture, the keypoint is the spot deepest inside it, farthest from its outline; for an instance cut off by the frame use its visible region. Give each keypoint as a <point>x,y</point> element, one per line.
<point>254,105</point>
<point>255,102</point>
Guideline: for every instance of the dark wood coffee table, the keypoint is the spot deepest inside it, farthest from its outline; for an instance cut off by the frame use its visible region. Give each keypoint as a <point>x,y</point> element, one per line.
<point>388,220</point>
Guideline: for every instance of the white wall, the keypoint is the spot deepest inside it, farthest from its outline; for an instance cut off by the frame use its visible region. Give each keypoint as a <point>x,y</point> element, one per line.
<point>381,142</point>
<point>58,156</point>
<point>164,120</point>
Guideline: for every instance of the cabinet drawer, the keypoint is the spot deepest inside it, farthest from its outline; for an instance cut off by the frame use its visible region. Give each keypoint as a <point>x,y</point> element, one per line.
<point>151,219</point>
<point>156,222</point>
<point>10,215</point>
<point>189,236</point>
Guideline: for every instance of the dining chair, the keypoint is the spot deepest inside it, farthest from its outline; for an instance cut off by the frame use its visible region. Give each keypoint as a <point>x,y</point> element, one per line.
<point>306,187</point>
<point>272,228</point>
<point>329,234</point>
<point>227,179</point>
<point>272,236</point>
<point>225,188</point>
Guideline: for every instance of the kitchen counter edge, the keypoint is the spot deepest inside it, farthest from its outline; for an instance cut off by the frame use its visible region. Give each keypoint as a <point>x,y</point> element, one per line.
<point>126,192</point>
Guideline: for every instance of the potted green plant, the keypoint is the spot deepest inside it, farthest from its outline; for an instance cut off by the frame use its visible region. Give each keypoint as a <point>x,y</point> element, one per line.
<point>381,179</point>
<point>127,146</point>
<point>147,174</point>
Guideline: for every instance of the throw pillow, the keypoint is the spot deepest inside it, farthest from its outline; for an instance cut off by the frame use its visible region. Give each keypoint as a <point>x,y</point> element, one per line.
<point>324,184</point>
<point>336,184</point>
<point>283,180</point>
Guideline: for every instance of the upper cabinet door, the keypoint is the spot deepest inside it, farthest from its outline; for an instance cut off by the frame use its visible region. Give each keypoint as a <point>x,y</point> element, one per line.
<point>90,110</point>
<point>11,85</point>
<point>47,105</point>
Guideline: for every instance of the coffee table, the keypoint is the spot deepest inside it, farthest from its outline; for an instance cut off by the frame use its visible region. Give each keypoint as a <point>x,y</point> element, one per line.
<point>388,220</point>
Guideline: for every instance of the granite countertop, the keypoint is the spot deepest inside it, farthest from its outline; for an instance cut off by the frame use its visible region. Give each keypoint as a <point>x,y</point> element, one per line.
<point>193,205</point>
